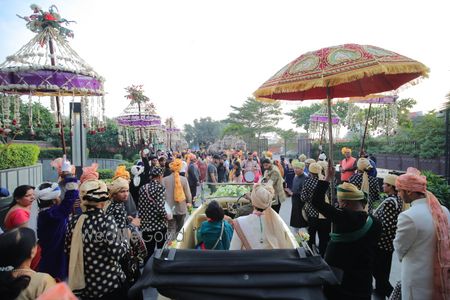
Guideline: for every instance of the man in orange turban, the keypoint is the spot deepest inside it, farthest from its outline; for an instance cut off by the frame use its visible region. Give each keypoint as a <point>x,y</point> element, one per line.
<point>422,240</point>
<point>178,195</point>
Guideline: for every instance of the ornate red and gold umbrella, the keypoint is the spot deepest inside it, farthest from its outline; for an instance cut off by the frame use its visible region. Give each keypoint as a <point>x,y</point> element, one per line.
<point>348,70</point>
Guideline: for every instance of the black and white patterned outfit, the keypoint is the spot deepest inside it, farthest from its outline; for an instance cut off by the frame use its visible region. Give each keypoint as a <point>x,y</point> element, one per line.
<point>374,188</point>
<point>102,251</point>
<point>387,213</point>
<point>153,215</point>
<point>136,251</point>
<point>118,211</point>
<point>316,224</point>
<point>306,196</point>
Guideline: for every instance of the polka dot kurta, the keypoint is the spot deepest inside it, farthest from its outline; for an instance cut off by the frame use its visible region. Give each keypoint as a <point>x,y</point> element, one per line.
<point>151,207</point>
<point>387,213</point>
<point>118,212</point>
<point>306,195</point>
<point>102,250</point>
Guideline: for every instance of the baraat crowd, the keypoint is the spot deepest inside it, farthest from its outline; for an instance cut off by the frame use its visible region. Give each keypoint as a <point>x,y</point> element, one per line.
<point>96,237</point>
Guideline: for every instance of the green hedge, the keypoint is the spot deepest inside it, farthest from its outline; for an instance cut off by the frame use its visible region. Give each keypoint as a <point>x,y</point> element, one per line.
<point>118,156</point>
<point>439,187</point>
<point>17,155</point>
<point>105,173</point>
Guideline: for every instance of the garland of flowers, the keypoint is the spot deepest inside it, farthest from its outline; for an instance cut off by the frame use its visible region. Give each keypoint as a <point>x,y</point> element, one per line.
<point>40,20</point>
<point>136,94</point>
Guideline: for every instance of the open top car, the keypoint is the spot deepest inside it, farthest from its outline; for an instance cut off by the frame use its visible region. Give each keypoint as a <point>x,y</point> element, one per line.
<point>179,271</point>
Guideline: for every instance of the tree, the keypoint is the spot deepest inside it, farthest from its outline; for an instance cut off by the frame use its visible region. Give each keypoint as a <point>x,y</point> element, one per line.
<point>203,132</point>
<point>254,118</point>
<point>105,144</point>
<point>403,110</point>
<point>300,116</point>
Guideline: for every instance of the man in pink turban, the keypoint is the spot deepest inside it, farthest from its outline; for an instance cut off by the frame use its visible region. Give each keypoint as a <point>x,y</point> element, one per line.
<point>422,240</point>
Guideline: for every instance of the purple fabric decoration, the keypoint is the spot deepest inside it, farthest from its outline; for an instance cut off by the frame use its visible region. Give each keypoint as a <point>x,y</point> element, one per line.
<point>48,80</point>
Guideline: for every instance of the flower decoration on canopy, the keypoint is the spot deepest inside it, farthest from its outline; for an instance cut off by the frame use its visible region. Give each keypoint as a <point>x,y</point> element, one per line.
<point>40,20</point>
<point>136,94</point>
<point>48,67</point>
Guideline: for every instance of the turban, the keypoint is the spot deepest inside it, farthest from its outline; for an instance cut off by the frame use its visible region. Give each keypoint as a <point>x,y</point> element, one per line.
<point>93,191</point>
<point>315,168</point>
<point>348,191</point>
<point>268,154</point>
<point>57,164</point>
<point>412,181</point>
<point>390,179</point>
<point>324,167</point>
<point>89,173</point>
<point>310,161</point>
<point>322,156</point>
<point>47,194</point>
<point>302,157</point>
<point>4,192</point>
<point>121,171</point>
<point>176,166</point>
<point>364,165</point>
<point>119,184</point>
<point>157,171</point>
<point>345,149</point>
<point>298,164</point>
<point>415,182</point>
<point>262,195</point>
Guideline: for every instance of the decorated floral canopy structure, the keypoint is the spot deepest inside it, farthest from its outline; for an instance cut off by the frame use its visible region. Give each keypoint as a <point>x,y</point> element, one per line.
<point>48,66</point>
<point>318,123</point>
<point>139,123</point>
<point>385,117</point>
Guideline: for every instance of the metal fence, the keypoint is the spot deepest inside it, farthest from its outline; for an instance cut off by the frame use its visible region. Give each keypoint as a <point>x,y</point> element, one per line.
<point>402,162</point>
<point>258,145</point>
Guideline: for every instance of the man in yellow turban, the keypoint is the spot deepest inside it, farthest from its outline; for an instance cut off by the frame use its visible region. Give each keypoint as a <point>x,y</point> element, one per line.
<point>368,184</point>
<point>348,164</point>
<point>178,195</point>
<point>130,204</point>
<point>352,244</point>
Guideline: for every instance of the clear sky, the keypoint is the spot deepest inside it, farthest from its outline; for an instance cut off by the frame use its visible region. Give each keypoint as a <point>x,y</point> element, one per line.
<point>196,58</point>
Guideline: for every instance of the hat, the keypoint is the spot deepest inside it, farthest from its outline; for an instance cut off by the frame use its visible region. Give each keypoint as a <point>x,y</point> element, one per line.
<point>345,149</point>
<point>176,165</point>
<point>262,195</point>
<point>4,192</point>
<point>315,168</point>
<point>118,185</point>
<point>310,161</point>
<point>94,191</point>
<point>412,181</point>
<point>51,192</point>
<point>298,164</point>
<point>348,191</point>
<point>121,171</point>
<point>363,164</point>
<point>89,173</point>
<point>302,157</point>
<point>390,179</point>
<point>156,172</point>
<point>322,156</point>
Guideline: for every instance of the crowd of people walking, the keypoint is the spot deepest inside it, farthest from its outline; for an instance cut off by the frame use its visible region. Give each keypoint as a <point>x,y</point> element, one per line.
<point>97,236</point>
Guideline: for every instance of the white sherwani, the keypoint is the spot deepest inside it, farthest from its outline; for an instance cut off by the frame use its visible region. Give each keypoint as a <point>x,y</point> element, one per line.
<point>251,227</point>
<point>415,244</point>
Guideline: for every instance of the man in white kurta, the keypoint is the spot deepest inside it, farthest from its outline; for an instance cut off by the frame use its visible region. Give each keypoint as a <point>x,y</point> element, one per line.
<point>262,229</point>
<point>415,240</point>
